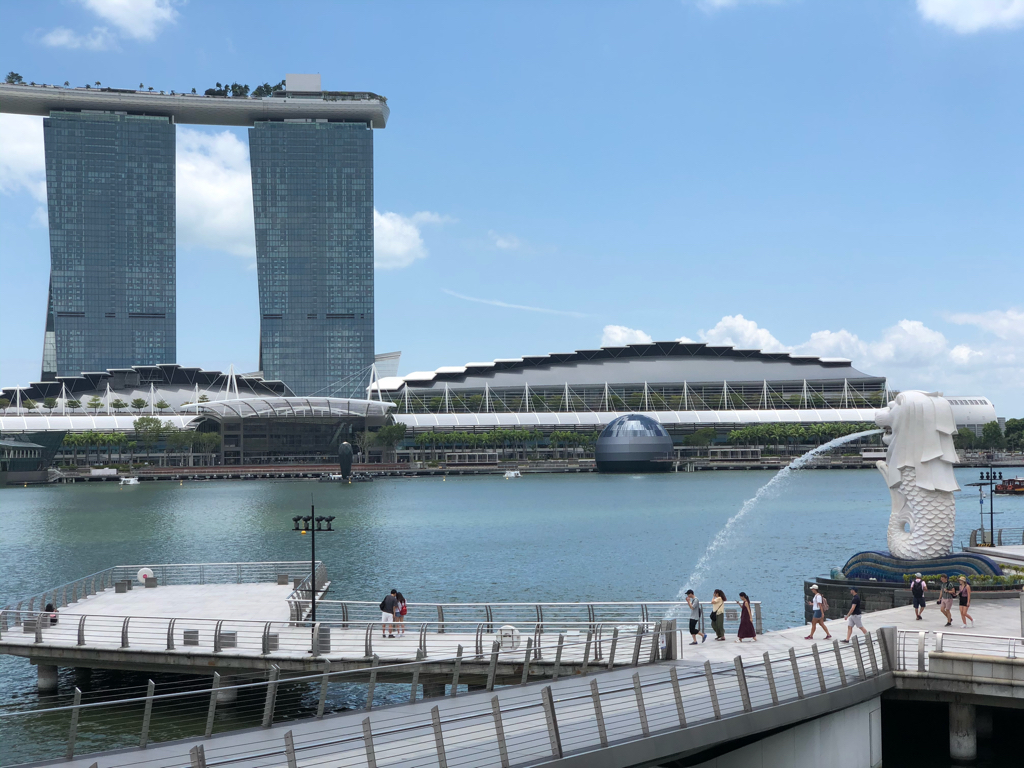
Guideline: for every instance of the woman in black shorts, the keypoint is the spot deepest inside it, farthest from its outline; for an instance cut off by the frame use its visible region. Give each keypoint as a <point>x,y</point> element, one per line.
<point>965,601</point>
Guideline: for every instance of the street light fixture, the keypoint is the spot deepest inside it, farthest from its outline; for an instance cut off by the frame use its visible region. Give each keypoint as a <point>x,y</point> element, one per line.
<point>311,524</point>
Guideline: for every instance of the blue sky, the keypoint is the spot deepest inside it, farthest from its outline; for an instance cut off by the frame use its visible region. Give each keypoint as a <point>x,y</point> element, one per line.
<point>835,178</point>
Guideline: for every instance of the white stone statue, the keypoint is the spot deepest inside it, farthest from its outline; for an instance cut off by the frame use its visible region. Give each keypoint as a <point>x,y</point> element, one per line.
<point>918,469</point>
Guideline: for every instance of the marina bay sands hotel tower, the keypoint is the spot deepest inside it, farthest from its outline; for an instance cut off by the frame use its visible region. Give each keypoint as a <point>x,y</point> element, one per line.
<point>110,188</point>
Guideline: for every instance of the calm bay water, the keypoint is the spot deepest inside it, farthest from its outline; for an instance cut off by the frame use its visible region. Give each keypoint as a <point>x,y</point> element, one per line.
<point>538,538</point>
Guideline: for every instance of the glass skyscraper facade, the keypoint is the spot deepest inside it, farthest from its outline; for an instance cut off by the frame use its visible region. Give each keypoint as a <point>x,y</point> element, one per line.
<point>110,190</point>
<point>312,184</point>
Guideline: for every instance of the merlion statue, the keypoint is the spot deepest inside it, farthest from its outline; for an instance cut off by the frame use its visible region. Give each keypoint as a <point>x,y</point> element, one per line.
<point>918,469</point>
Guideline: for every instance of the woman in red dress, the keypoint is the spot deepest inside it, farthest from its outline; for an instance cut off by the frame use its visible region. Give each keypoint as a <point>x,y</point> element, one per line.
<point>746,622</point>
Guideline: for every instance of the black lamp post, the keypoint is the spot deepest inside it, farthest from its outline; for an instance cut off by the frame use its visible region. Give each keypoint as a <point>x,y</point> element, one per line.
<point>989,478</point>
<point>310,525</point>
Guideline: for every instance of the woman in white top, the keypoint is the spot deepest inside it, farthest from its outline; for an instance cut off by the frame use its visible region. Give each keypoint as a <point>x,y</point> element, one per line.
<point>817,604</point>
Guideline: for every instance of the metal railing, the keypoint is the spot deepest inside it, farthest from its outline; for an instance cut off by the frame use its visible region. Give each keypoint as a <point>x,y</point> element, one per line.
<point>166,574</point>
<point>1004,537</point>
<point>914,647</point>
<point>344,611</point>
<point>291,639</point>
<point>524,725</point>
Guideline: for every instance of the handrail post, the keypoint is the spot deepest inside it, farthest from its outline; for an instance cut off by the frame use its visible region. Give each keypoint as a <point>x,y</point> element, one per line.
<point>712,692</point>
<point>415,684</point>
<point>499,732</point>
<point>147,714</point>
<point>938,642</point>
<point>770,674</point>
<point>839,663</point>
<point>170,633</point>
<point>558,656</point>
<point>871,654</point>
<point>817,667</point>
<point>677,695</point>
<point>887,640</point>
<point>611,651</point>
<point>757,618</point>
<point>315,649</point>
<point>796,673</point>
<point>552,721</point>
<point>860,659</point>
<point>373,682</point>
<point>479,641</point>
<point>741,679</point>
<point>455,672</point>
<point>920,651</point>
<point>323,690</point>
<point>289,750</point>
<point>423,639</point>
<point>636,645</point>
<point>435,717</point>
<point>368,641</point>
<point>440,619</point>
<point>598,713</point>
<point>197,756</point>
<point>371,755</point>
<point>73,730</point>
<point>216,636</point>
<point>586,653</point>
<point>526,660</point>
<point>268,706</point>
<point>655,643</point>
<point>212,711</point>
<point>492,668</point>
<point>124,632</point>
<point>640,708</point>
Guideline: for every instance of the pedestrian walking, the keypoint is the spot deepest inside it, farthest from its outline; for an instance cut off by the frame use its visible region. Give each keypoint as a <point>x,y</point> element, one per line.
<point>917,589</point>
<point>818,605</point>
<point>696,618</point>
<point>946,592</point>
<point>718,614</point>
<point>965,601</point>
<point>853,618</point>
<point>387,614</point>
<point>400,610</point>
<point>746,620</point>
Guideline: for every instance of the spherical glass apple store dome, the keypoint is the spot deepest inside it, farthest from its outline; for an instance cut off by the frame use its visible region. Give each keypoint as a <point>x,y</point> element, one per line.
<point>634,443</point>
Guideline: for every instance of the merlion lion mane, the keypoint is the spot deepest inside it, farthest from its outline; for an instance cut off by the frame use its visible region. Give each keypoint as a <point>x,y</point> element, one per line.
<point>918,469</point>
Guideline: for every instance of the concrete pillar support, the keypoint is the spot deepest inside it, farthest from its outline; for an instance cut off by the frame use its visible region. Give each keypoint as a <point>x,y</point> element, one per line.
<point>47,681</point>
<point>963,736</point>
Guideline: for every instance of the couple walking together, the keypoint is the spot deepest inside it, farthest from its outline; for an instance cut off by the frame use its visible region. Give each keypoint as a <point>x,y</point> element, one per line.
<point>746,629</point>
<point>392,614</point>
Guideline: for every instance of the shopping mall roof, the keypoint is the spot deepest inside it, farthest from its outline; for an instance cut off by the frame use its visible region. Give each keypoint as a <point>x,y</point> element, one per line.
<point>26,99</point>
<point>653,363</point>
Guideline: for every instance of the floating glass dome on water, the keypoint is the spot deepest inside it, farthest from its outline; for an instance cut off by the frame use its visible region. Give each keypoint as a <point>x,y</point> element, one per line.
<point>633,443</point>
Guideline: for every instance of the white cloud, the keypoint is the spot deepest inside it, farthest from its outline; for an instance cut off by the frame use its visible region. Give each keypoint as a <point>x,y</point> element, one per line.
<point>506,305</point>
<point>138,19</point>
<point>398,241</point>
<point>99,39</point>
<point>737,331</point>
<point>620,335</point>
<point>214,192</point>
<point>969,16</point>
<point>1008,324</point>
<point>504,242</point>
<point>22,161</point>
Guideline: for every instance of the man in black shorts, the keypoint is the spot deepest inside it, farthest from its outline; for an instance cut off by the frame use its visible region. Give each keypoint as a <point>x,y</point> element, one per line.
<point>917,590</point>
<point>696,614</point>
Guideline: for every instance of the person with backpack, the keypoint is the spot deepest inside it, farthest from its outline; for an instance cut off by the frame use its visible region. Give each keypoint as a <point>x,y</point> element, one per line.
<point>917,589</point>
<point>819,605</point>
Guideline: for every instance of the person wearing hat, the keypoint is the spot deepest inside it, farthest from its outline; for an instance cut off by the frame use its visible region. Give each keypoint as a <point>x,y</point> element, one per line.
<point>917,589</point>
<point>965,601</point>
<point>818,608</point>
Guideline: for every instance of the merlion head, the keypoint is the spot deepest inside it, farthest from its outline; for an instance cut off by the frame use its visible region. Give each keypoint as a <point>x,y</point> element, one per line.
<point>919,429</point>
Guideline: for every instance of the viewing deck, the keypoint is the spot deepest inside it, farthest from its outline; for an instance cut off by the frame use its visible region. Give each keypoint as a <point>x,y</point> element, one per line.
<point>40,100</point>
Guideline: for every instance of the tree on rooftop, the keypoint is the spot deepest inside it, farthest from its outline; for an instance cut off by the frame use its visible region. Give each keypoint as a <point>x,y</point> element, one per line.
<point>14,77</point>
<point>74,405</point>
<point>151,87</point>
<point>162,405</point>
<point>193,90</point>
<point>97,82</point>
<point>66,83</point>
<point>49,403</point>
<point>5,403</point>
<point>95,403</point>
<point>119,405</point>
<point>141,86</point>
<point>138,404</point>
<point>28,405</point>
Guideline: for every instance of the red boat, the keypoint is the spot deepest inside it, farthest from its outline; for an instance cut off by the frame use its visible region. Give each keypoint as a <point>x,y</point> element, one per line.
<point>1012,487</point>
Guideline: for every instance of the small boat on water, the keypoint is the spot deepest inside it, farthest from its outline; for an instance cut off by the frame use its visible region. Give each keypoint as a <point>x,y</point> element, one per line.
<point>129,481</point>
<point>1013,486</point>
<point>512,474</point>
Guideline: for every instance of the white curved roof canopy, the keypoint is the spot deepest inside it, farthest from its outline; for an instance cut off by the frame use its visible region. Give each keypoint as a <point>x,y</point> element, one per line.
<point>297,407</point>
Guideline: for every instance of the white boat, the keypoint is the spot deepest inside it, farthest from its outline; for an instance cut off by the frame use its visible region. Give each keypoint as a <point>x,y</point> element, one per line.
<point>129,481</point>
<point>512,473</point>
